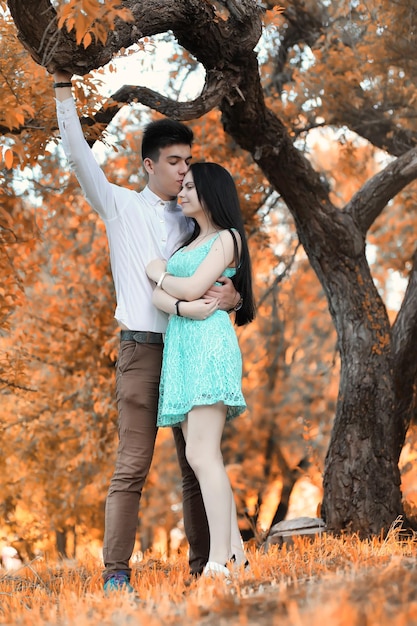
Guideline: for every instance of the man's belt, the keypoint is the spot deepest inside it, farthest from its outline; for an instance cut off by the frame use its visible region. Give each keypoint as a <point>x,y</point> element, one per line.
<point>141,336</point>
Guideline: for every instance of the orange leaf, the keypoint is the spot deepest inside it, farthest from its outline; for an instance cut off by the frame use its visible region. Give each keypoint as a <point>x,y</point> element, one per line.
<point>8,158</point>
<point>87,40</point>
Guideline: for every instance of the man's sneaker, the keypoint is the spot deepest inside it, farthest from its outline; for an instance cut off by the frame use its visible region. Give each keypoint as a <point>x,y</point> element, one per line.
<point>119,581</point>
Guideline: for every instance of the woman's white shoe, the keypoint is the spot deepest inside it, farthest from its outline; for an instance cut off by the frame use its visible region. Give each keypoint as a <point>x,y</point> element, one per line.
<point>213,569</point>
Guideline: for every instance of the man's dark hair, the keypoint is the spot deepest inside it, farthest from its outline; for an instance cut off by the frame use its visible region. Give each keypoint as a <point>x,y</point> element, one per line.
<point>163,133</point>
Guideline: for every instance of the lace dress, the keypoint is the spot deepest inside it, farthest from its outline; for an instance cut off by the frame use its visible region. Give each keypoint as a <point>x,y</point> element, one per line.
<point>202,363</point>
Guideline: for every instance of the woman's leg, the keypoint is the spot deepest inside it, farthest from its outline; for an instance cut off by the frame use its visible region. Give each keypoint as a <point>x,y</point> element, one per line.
<point>236,538</point>
<point>203,432</point>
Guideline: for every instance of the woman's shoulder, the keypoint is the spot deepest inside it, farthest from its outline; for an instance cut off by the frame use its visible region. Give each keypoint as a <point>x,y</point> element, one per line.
<point>228,238</point>
<point>229,233</point>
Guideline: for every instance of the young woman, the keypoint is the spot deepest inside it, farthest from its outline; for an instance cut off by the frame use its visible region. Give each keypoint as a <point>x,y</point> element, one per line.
<point>202,366</point>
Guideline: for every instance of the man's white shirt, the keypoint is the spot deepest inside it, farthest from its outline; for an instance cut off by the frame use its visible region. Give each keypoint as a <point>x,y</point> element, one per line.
<point>140,226</point>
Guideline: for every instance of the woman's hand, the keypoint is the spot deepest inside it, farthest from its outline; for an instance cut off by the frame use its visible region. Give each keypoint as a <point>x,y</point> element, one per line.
<point>199,309</point>
<point>155,269</point>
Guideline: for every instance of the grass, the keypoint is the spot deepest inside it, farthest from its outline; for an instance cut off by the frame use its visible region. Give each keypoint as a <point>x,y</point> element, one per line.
<point>326,581</point>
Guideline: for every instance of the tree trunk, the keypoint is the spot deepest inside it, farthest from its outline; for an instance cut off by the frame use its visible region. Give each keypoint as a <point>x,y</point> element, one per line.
<point>362,462</point>
<point>61,543</point>
<point>361,477</point>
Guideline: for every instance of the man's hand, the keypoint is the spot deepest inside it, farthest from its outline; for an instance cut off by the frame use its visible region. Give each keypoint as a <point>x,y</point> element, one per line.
<point>155,269</point>
<point>225,293</point>
<point>62,76</point>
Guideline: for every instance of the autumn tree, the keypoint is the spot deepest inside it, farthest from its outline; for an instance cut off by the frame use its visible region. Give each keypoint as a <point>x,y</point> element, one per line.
<point>336,66</point>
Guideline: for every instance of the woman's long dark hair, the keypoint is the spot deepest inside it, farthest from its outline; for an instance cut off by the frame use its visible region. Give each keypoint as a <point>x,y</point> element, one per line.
<point>216,191</point>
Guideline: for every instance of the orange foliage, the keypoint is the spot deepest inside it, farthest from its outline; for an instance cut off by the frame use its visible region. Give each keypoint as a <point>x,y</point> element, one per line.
<point>91,19</point>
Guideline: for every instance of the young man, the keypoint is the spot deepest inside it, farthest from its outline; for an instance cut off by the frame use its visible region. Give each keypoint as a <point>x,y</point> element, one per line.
<point>140,226</point>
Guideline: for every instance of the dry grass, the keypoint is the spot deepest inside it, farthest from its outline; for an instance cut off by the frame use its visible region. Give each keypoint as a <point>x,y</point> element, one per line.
<point>324,582</point>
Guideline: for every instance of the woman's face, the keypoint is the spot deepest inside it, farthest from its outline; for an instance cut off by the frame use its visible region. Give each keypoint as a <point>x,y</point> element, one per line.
<point>190,203</point>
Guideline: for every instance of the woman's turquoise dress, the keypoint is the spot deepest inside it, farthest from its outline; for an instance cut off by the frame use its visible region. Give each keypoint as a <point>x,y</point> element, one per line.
<point>202,363</point>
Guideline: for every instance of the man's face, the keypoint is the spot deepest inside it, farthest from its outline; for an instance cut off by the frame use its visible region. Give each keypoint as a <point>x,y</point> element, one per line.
<point>166,174</point>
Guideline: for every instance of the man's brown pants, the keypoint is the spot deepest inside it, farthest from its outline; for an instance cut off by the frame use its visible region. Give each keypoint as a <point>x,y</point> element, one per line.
<point>137,387</point>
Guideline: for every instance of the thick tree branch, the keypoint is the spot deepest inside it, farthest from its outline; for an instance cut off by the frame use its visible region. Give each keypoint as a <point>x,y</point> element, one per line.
<point>375,125</point>
<point>371,199</point>
<point>191,21</point>
<point>217,86</point>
